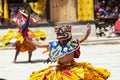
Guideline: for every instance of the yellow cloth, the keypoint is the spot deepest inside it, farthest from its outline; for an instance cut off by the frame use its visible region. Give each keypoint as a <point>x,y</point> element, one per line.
<point>78,71</point>
<point>39,6</point>
<point>10,34</point>
<point>85,10</point>
<point>38,34</point>
<point>6,11</point>
<point>1,12</point>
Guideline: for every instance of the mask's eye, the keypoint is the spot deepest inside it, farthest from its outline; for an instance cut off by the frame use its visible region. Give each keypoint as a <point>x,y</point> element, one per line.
<point>56,29</point>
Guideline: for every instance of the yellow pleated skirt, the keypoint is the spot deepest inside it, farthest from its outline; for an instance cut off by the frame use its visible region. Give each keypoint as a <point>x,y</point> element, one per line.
<point>76,71</point>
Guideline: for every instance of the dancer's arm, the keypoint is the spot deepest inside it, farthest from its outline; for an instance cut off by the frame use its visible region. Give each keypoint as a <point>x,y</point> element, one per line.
<point>87,33</point>
<point>39,44</point>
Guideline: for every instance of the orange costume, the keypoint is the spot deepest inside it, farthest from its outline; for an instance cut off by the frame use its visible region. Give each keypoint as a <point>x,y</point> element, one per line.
<point>23,21</point>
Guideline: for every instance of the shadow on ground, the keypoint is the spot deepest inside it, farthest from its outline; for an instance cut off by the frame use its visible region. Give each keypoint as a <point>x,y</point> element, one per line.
<point>2,79</point>
<point>33,61</point>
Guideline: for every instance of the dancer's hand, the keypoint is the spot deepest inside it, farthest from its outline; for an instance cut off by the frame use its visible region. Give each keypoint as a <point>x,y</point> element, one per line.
<point>87,33</point>
<point>47,50</point>
<point>88,28</point>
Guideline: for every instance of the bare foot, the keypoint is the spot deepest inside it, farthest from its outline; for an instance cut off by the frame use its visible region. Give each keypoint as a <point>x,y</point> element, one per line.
<point>14,61</point>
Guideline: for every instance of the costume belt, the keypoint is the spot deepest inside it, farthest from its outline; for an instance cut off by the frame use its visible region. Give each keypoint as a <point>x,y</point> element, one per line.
<point>66,65</point>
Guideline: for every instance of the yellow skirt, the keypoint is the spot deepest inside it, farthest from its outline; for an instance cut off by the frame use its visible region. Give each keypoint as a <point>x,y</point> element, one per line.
<point>76,71</point>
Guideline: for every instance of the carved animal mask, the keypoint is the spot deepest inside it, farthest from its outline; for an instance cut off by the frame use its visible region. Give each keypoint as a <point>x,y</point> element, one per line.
<point>63,33</point>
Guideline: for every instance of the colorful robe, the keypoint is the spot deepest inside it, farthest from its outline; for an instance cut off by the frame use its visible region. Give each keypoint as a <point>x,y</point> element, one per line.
<point>69,70</point>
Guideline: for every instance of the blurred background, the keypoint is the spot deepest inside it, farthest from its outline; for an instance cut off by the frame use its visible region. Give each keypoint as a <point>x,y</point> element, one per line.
<point>102,13</point>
